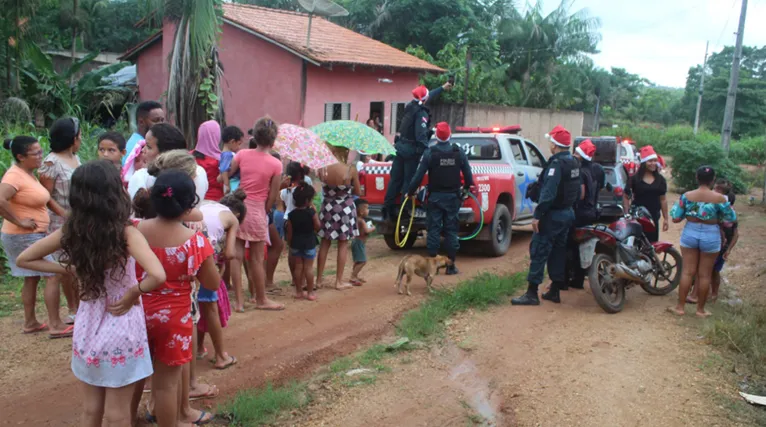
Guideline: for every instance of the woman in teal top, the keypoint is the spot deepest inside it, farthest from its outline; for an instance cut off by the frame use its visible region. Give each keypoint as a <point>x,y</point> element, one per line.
<point>703,209</point>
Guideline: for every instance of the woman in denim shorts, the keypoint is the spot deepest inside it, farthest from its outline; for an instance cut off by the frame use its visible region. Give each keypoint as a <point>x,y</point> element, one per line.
<point>703,209</point>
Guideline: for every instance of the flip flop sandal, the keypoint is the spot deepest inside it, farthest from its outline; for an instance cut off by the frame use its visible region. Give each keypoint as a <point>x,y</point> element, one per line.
<point>228,365</point>
<point>277,308</point>
<point>202,355</point>
<point>356,282</point>
<point>213,392</point>
<point>150,419</point>
<point>41,328</point>
<point>69,319</point>
<point>67,333</point>
<point>200,422</point>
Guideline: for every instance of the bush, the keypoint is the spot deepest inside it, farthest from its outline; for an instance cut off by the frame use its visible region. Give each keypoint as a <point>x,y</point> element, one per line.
<point>690,155</point>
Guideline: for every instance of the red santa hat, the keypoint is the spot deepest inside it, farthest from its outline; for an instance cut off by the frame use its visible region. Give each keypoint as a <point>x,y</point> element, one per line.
<point>420,94</point>
<point>443,132</point>
<point>647,153</point>
<point>586,150</point>
<point>560,137</point>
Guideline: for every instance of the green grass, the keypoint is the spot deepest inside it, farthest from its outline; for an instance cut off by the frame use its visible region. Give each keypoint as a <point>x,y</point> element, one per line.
<point>10,295</point>
<point>260,407</point>
<point>479,293</point>
<point>263,406</point>
<point>739,332</point>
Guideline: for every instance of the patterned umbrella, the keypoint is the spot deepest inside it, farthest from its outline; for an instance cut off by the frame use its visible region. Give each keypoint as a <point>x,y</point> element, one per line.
<point>304,146</point>
<point>354,136</point>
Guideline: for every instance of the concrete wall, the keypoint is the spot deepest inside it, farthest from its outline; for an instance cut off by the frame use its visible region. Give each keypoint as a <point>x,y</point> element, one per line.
<point>358,87</point>
<point>259,78</point>
<point>151,73</point>
<point>535,123</point>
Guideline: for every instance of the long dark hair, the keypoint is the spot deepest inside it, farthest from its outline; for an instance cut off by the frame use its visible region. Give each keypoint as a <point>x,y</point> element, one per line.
<point>94,234</point>
<point>639,176</point>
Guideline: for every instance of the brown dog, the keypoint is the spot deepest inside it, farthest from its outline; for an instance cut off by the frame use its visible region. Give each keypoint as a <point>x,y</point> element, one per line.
<point>417,265</point>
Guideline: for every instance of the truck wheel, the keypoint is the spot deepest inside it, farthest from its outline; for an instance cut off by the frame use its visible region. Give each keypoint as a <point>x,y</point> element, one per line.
<point>500,231</point>
<point>391,241</point>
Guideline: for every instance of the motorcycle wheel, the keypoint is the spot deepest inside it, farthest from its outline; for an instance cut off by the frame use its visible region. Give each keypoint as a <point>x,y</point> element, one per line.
<point>672,262</point>
<point>608,291</point>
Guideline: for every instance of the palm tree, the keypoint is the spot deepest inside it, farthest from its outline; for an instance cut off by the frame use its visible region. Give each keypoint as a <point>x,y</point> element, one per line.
<point>195,83</point>
<point>534,44</point>
<point>17,14</point>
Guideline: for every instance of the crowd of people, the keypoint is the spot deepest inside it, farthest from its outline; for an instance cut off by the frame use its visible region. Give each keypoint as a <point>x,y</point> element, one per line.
<point>147,241</point>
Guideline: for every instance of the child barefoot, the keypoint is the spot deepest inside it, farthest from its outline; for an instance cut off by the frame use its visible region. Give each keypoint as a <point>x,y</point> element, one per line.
<point>302,225</point>
<point>102,249</point>
<point>232,138</point>
<point>359,245</point>
<point>185,255</point>
<point>221,223</point>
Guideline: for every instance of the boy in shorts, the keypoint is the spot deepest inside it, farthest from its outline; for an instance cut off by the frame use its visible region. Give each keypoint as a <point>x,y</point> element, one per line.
<point>359,245</point>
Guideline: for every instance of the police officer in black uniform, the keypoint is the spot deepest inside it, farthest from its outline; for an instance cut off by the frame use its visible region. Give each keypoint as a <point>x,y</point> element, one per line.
<point>560,189</point>
<point>412,141</point>
<point>444,162</point>
<point>585,211</point>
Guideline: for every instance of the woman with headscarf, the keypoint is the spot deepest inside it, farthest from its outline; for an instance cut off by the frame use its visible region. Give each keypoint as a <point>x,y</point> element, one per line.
<point>208,156</point>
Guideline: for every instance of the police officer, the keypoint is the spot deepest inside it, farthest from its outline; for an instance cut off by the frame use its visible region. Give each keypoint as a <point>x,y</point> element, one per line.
<point>560,188</point>
<point>585,213</point>
<point>414,135</point>
<point>444,163</point>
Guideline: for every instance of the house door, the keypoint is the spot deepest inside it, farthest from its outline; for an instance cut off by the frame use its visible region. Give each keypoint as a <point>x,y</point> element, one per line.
<point>376,117</point>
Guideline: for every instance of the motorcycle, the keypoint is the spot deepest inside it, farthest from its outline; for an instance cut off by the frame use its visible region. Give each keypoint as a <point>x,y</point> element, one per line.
<point>619,255</point>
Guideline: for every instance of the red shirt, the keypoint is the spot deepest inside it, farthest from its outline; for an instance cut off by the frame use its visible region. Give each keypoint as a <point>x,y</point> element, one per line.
<point>215,188</point>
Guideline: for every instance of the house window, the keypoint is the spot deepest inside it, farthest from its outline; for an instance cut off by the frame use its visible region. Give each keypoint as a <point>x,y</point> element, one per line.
<point>337,111</point>
<point>397,114</point>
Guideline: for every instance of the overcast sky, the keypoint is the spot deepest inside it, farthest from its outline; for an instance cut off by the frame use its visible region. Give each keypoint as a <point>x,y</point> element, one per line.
<point>661,39</point>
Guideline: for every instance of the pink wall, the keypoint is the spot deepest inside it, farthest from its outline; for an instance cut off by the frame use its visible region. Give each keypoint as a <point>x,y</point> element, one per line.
<point>260,78</point>
<point>151,71</point>
<point>359,87</point>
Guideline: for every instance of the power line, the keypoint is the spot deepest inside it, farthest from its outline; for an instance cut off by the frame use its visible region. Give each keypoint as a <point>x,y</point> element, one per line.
<point>723,30</point>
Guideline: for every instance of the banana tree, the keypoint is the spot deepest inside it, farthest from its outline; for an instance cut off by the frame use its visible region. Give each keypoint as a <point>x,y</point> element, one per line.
<point>50,90</point>
<point>195,82</point>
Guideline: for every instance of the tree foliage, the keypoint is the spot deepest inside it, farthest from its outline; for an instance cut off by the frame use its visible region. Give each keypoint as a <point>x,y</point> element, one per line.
<point>750,108</point>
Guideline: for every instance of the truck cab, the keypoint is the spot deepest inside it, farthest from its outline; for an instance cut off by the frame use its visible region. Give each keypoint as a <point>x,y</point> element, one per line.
<point>503,163</point>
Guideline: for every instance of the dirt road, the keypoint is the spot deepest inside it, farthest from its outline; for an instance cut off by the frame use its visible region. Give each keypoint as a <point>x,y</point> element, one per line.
<point>37,386</point>
<point>554,365</point>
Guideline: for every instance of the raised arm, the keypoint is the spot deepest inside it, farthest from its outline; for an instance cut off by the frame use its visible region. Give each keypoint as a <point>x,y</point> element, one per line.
<point>33,257</point>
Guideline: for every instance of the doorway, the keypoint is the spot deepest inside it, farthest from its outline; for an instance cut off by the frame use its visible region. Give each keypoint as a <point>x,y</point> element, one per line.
<point>376,117</point>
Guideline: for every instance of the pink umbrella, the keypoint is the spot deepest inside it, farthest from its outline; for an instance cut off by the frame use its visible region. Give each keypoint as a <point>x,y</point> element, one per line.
<point>304,146</point>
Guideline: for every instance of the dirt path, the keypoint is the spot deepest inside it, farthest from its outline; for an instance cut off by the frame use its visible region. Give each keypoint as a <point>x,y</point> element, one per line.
<point>269,346</point>
<point>534,366</point>
<point>554,365</point>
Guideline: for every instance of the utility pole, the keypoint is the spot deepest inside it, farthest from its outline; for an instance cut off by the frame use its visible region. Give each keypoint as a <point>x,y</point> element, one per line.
<point>702,89</point>
<point>731,97</point>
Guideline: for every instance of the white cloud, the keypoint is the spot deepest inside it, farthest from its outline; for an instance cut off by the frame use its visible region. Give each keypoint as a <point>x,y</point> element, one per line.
<point>662,39</point>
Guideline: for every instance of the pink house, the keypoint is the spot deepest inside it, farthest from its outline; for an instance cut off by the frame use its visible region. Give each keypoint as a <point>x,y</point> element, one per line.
<point>269,70</point>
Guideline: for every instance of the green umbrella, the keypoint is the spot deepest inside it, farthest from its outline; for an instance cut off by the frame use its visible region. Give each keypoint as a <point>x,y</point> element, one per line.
<point>354,136</point>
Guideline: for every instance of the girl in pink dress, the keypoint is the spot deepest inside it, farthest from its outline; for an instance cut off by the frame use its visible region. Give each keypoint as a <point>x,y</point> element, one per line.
<point>110,352</point>
<point>260,175</point>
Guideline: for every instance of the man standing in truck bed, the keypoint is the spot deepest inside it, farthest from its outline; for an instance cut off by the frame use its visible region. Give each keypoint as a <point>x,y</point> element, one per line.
<point>412,141</point>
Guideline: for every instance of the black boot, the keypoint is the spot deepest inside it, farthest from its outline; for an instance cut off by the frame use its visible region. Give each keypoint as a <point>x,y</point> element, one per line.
<point>529,298</point>
<point>553,294</point>
<point>451,270</point>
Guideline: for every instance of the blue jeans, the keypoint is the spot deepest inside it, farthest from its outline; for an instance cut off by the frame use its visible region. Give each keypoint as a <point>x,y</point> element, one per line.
<point>304,253</point>
<point>705,237</point>
<point>442,217</point>
<point>549,246</point>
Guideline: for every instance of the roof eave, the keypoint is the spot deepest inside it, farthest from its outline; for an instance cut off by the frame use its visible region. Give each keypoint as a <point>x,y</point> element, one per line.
<point>432,69</point>
<point>135,50</point>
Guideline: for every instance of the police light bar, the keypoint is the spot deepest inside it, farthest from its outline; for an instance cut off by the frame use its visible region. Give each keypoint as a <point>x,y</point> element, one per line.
<point>515,129</point>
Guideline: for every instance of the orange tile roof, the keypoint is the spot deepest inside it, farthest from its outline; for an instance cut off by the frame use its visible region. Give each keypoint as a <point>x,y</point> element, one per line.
<point>330,43</point>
